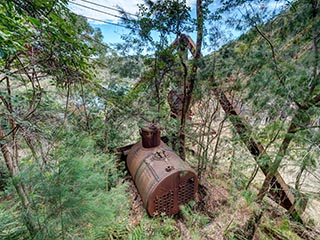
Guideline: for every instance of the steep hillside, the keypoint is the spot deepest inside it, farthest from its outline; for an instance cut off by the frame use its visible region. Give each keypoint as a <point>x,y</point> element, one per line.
<point>272,76</point>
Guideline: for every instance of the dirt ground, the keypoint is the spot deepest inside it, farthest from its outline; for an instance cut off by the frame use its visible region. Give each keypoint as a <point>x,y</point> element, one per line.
<point>227,209</point>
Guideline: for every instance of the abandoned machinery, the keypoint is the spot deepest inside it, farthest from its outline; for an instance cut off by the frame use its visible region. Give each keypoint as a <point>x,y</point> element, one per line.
<point>163,180</point>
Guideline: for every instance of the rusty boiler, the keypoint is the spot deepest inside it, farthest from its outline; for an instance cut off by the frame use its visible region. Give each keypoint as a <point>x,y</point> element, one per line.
<point>162,178</point>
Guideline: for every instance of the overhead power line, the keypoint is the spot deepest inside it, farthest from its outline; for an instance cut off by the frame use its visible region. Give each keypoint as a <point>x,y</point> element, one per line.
<point>97,10</point>
<point>103,21</point>
<point>110,8</point>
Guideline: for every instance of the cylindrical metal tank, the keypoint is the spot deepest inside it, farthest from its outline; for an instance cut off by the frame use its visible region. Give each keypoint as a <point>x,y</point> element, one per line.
<point>163,180</point>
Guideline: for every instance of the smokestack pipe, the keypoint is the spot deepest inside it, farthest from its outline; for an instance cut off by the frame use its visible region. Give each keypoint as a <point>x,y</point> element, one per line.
<point>150,134</point>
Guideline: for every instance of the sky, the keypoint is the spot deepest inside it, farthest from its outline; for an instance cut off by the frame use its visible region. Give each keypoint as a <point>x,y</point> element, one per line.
<point>112,33</point>
<point>106,11</point>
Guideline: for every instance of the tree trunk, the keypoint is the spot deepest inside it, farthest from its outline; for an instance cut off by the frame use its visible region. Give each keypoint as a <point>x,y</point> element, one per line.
<point>192,78</point>
<point>13,169</point>
<point>65,118</point>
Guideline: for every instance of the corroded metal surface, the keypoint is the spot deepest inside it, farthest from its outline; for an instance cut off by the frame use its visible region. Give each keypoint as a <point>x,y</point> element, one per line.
<point>150,135</point>
<point>163,180</point>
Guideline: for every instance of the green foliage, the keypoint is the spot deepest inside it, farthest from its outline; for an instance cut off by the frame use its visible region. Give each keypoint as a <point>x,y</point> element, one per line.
<point>125,67</point>
<point>193,219</point>
<point>12,27</point>
<point>79,193</point>
<point>58,41</point>
<point>3,175</point>
<point>249,197</point>
<point>280,230</point>
<point>138,233</point>
<point>156,22</point>
<point>276,71</point>
<point>10,225</point>
<point>163,227</point>
<point>164,17</point>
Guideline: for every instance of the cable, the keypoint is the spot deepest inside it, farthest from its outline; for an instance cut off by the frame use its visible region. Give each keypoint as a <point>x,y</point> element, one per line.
<point>110,8</point>
<point>97,10</point>
<point>103,21</point>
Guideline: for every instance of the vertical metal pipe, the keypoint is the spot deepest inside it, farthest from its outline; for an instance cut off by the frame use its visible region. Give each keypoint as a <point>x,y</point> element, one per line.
<point>150,135</point>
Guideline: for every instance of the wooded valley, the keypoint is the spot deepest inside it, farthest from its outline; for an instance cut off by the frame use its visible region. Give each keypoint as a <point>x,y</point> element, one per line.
<point>234,86</point>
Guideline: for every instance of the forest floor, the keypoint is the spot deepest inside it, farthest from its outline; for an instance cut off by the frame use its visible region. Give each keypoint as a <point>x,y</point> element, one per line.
<point>228,211</point>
